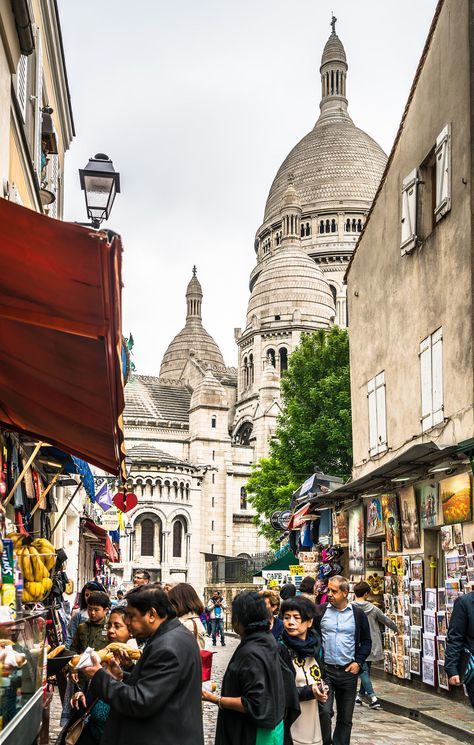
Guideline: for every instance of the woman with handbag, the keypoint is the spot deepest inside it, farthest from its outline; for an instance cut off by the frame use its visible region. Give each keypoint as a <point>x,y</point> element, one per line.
<point>184,599</point>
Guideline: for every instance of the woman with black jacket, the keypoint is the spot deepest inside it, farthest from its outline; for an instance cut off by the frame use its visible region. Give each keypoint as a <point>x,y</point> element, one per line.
<point>301,648</point>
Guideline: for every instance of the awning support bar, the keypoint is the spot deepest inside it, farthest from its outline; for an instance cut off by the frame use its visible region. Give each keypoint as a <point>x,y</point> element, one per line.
<point>22,474</point>
<point>66,507</point>
<point>46,491</point>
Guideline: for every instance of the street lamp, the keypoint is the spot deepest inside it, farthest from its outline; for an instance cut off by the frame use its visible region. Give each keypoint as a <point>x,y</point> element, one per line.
<point>100,183</point>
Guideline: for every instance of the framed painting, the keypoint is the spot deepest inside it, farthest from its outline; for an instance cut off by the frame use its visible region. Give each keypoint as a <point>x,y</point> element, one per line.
<point>375,526</point>
<point>427,495</point>
<point>411,534</point>
<point>392,522</point>
<point>456,499</point>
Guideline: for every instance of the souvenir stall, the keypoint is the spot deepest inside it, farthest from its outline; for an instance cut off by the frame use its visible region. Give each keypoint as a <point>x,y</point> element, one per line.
<point>61,390</point>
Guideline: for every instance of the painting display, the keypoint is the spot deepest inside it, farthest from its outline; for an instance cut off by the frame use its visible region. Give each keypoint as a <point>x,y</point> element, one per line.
<point>442,677</point>
<point>446,537</point>
<point>431,598</point>
<point>375,525</point>
<point>356,540</point>
<point>457,534</point>
<point>429,620</point>
<point>429,647</point>
<point>411,535</point>
<point>456,499</point>
<point>441,622</point>
<point>415,637</point>
<point>415,662</point>
<point>453,590</point>
<point>416,615</point>
<point>428,499</point>
<point>428,671</point>
<point>340,528</point>
<point>441,648</point>
<point>392,522</point>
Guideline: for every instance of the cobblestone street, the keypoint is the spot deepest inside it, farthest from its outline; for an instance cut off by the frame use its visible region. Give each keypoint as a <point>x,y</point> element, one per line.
<point>370,727</point>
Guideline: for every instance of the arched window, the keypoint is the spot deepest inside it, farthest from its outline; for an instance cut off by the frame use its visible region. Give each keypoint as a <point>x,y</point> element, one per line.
<point>321,226</point>
<point>177,538</point>
<point>337,81</point>
<point>328,226</point>
<point>348,226</point>
<point>148,538</point>
<point>302,230</point>
<point>251,370</point>
<point>283,354</point>
<point>243,498</point>
<point>187,492</point>
<point>333,293</point>
<point>271,357</point>
<point>308,229</point>
<point>159,489</point>
<point>213,422</point>
<point>333,226</point>
<point>354,226</point>
<point>168,489</point>
<point>243,434</point>
<point>359,226</point>
<point>175,489</point>
<point>245,374</point>
<point>181,491</point>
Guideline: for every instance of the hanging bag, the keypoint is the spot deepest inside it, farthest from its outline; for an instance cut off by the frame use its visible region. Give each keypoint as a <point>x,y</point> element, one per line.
<point>206,657</point>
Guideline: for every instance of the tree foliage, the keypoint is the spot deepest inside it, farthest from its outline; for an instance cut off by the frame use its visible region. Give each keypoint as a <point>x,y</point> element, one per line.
<point>314,428</point>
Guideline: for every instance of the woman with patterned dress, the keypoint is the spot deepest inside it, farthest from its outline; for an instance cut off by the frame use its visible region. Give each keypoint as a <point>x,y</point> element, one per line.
<point>300,646</point>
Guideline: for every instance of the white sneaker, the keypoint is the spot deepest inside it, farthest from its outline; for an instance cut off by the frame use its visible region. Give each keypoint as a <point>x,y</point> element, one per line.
<point>358,701</point>
<point>374,703</point>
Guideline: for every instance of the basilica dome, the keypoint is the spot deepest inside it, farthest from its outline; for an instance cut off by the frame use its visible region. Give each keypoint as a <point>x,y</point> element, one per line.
<point>192,340</point>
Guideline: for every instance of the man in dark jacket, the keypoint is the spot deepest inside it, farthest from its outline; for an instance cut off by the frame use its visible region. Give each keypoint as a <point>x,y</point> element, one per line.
<point>161,698</point>
<point>460,641</point>
<point>345,632</point>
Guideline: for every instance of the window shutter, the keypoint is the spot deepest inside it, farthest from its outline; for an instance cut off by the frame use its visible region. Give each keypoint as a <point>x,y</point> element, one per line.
<point>21,84</point>
<point>443,173</point>
<point>426,385</point>
<point>38,105</point>
<point>409,209</point>
<point>381,412</point>
<point>372,401</point>
<point>437,375</point>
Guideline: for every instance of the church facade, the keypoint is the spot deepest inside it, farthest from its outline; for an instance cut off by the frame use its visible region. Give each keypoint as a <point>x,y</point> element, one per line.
<point>194,431</point>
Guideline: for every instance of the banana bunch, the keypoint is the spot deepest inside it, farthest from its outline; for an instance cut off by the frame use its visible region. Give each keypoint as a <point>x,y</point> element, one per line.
<point>36,559</point>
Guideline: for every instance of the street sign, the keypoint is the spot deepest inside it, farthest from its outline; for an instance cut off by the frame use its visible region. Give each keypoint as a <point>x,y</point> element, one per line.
<point>109,520</point>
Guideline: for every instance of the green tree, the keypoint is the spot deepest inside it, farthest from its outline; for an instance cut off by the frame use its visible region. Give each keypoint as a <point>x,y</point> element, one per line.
<point>314,427</point>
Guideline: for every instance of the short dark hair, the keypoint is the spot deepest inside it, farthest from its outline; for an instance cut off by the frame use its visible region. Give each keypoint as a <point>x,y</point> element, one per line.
<point>250,611</point>
<point>361,588</point>
<point>119,610</point>
<point>184,599</point>
<point>288,591</point>
<point>97,597</point>
<point>119,592</point>
<point>143,572</point>
<point>307,585</point>
<point>304,606</point>
<point>144,599</point>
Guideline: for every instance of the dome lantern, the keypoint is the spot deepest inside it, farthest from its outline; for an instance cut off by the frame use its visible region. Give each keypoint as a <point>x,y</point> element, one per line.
<point>194,296</point>
<point>333,75</point>
<point>290,214</point>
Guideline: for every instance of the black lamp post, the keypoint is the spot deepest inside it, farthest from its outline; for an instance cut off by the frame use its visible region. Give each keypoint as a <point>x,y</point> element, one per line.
<point>100,183</point>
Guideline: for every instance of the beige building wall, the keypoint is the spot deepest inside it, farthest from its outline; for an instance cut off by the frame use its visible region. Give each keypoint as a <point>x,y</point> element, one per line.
<point>396,301</point>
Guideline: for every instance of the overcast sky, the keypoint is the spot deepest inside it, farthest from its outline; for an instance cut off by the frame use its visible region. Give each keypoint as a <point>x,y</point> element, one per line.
<point>198,102</point>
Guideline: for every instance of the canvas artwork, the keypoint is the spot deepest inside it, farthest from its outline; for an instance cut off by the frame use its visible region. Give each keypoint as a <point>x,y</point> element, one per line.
<point>415,637</point>
<point>417,569</point>
<point>427,495</point>
<point>428,671</point>
<point>356,540</point>
<point>431,598</point>
<point>442,624</point>
<point>456,499</point>
<point>453,589</point>
<point>341,527</point>
<point>416,593</point>
<point>470,561</point>
<point>453,566</point>
<point>429,621</point>
<point>411,535</point>
<point>429,647</point>
<point>457,534</point>
<point>392,522</point>
<point>415,661</point>
<point>375,526</point>
<point>416,615</point>
<point>442,677</point>
<point>470,575</point>
<point>441,648</point>
<point>446,537</point>
<point>373,555</point>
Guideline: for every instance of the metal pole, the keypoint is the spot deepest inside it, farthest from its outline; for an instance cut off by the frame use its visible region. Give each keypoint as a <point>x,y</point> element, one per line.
<point>25,468</point>
<point>66,507</point>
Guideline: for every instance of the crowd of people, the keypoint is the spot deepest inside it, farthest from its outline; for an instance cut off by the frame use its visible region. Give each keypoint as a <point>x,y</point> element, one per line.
<point>297,663</point>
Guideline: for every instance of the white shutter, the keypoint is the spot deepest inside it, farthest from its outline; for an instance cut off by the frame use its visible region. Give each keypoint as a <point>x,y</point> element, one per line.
<point>409,210</point>
<point>443,173</point>
<point>372,401</point>
<point>38,104</point>
<point>54,183</point>
<point>381,412</point>
<point>22,84</point>
<point>426,385</point>
<point>437,375</point>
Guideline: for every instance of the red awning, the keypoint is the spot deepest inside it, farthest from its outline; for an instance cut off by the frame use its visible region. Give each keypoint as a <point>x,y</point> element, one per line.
<point>297,517</point>
<point>103,538</point>
<point>60,335</point>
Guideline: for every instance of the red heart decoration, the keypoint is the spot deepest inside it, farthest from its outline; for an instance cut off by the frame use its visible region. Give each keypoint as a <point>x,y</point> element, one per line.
<point>125,502</point>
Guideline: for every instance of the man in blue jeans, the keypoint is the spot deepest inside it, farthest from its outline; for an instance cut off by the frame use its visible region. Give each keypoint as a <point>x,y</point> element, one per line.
<point>345,634</point>
<point>216,607</point>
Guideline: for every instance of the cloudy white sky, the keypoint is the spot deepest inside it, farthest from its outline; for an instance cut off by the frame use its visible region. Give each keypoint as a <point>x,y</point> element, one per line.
<point>198,102</point>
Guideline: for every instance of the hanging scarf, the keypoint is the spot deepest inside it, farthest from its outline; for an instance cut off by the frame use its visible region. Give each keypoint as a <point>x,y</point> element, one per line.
<point>308,647</point>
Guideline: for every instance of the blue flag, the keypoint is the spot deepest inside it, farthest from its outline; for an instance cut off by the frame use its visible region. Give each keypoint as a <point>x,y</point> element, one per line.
<point>104,496</point>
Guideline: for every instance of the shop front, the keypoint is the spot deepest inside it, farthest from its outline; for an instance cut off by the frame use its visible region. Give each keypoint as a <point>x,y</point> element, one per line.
<point>61,403</point>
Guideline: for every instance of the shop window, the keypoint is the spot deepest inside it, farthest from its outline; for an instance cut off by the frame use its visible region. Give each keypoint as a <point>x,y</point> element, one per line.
<point>377,414</point>
<point>148,538</point>
<point>177,539</point>
<point>431,373</point>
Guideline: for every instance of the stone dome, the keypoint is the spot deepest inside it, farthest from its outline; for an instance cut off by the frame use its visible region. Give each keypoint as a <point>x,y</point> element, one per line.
<point>333,51</point>
<point>293,287</point>
<point>192,340</point>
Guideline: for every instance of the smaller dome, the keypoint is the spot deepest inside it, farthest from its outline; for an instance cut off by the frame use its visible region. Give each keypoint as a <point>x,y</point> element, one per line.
<point>147,454</point>
<point>290,197</point>
<point>194,285</point>
<point>333,50</point>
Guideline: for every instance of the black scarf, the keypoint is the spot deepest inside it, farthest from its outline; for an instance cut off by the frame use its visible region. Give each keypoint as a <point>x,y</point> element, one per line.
<point>301,647</point>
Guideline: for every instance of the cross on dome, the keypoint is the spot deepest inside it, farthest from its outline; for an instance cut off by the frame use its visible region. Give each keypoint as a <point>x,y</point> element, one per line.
<point>333,22</point>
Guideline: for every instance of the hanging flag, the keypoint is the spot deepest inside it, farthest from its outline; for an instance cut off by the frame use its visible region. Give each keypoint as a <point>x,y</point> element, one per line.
<point>104,496</point>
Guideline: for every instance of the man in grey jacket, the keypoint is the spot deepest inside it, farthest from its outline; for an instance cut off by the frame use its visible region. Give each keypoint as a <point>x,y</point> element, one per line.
<point>375,618</point>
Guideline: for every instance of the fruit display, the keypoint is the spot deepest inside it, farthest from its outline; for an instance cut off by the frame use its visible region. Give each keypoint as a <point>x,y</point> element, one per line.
<point>36,559</point>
